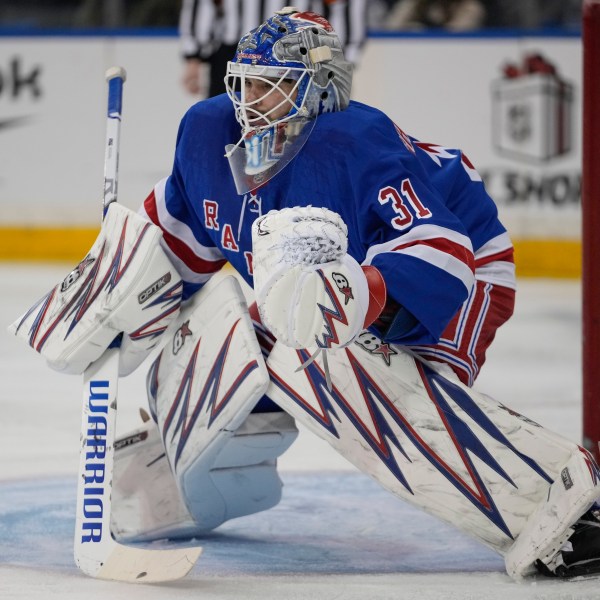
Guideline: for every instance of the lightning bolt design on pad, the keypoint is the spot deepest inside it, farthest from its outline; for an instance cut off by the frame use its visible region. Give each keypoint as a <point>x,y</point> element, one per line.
<point>383,418</point>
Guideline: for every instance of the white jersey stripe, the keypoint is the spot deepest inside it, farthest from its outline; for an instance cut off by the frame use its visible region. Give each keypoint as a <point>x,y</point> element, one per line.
<point>416,234</point>
<point>494,246</point>
<point>180,230</point>
<point>498,272</point>
<point>426,253</point>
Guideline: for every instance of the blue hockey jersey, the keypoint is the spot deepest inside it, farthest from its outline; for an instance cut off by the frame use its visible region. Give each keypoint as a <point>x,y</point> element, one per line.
<point>418,212</point>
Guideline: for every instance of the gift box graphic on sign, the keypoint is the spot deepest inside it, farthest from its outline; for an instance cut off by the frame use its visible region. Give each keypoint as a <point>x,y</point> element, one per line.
<point>532,111</point>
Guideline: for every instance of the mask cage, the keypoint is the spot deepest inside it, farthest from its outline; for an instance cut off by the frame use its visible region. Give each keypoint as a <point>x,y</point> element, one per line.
<point>247,112</point>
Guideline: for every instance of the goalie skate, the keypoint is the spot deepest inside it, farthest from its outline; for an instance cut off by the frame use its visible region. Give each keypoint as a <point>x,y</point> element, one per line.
<point>580,555</point>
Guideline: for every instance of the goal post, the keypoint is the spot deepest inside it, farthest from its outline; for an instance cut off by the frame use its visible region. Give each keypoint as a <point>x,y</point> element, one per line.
<point>590,210</point>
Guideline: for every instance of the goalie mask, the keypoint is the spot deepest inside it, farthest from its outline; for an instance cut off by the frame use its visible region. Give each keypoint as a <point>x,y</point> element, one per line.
<point>284,73</point>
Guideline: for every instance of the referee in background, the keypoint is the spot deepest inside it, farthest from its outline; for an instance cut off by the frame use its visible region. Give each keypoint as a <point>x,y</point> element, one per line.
<point>210,30</point>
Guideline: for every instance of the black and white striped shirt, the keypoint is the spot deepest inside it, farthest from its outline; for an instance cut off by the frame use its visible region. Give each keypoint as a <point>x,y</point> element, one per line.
<point>205,25</point>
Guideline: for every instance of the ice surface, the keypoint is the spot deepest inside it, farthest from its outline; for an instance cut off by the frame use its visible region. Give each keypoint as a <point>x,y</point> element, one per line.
<point>336,534</point>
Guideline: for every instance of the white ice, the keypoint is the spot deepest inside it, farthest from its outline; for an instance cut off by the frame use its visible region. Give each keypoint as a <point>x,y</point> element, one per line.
<point>335,534</point>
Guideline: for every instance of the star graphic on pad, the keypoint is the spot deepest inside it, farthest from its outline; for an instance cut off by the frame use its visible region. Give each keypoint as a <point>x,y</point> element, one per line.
<point>385,350</point>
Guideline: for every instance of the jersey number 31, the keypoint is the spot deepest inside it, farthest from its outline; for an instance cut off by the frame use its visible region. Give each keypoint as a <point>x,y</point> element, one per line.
<point>401,200</point>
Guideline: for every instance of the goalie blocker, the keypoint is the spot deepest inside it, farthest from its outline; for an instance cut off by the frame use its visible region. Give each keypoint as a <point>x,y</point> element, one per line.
<point>126,285</point>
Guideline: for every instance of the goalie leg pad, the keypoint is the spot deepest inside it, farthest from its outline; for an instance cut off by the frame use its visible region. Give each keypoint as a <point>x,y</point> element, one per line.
<point>145,500</point>
<point>441,446</point>
<point>239,480</point>
<point>203,387</point>
<point>209,375</point>
<point>238,475</point>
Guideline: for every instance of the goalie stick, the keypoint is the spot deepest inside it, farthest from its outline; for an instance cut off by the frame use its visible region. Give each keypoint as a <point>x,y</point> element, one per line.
<point>96,552</point>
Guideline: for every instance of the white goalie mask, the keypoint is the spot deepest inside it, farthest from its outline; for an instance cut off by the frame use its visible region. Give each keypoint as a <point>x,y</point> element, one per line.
<point>284,74</point>
<point>276,94</point>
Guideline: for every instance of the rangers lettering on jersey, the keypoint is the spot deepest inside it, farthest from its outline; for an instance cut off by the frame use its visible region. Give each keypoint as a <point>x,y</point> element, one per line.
<point>211,210</point>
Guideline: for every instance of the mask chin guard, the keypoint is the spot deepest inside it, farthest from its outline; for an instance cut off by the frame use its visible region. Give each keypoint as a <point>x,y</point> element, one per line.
<point>266,153</point>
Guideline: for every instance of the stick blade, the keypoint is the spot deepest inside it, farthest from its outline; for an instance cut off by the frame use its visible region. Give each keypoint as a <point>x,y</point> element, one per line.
<point>140,565</point>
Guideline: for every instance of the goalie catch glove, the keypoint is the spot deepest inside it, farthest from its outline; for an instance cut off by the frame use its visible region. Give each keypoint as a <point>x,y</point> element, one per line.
<point>126,284</point>
<point>310,293</point>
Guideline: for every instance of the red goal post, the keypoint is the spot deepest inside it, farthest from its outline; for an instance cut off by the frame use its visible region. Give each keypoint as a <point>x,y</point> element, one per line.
<point>590,208</point>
